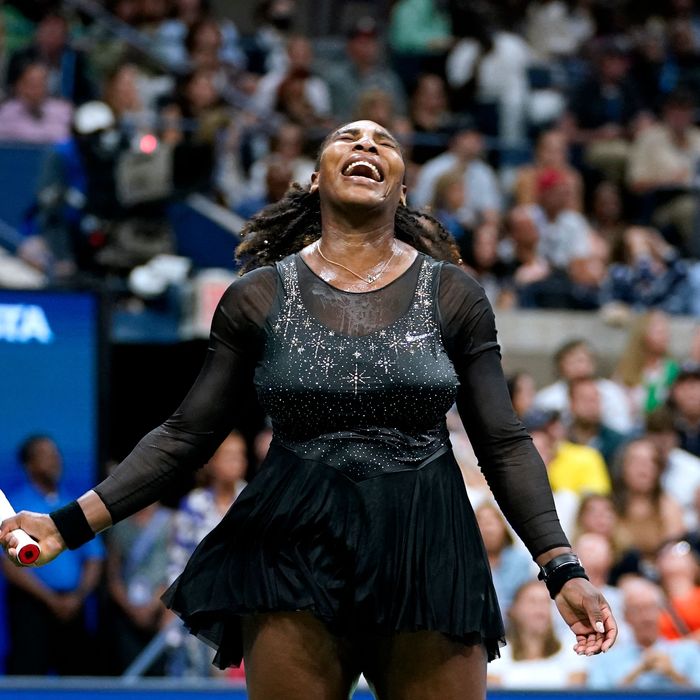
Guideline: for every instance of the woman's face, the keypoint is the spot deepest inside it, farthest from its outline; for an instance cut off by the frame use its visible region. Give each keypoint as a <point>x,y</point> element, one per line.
<point>493,531</point>
<point>361,165</point>
<point>598,516</point>
<point>656,337</point>
<point>531,610</point>
<point>640,471</point>
<point>524,393</point>
<point>551,150</point>
<point>229,463</point>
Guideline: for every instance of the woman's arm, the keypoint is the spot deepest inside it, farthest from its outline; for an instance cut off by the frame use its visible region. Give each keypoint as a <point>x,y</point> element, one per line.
<point>185,441</point>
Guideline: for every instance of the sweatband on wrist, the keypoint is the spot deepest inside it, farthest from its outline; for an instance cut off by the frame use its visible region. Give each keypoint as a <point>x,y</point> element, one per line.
<point>558,571</point>
<point>72,525</point>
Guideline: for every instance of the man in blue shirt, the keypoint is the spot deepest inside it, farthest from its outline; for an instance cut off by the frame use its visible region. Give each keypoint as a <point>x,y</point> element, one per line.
<point>647,661</point>
<point>45,606</point>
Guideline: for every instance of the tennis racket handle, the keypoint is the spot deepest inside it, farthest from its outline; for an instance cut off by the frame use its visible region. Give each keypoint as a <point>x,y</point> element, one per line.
<point>28,550</point>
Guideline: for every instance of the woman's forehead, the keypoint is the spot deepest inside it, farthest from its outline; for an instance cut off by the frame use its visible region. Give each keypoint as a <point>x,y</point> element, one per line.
<point>363,126</point>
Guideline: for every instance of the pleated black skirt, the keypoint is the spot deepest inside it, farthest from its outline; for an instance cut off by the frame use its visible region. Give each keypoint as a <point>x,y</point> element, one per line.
<point>397,552</point>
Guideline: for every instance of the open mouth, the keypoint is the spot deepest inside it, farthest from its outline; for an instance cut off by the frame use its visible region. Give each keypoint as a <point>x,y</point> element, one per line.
<point>363,168</point>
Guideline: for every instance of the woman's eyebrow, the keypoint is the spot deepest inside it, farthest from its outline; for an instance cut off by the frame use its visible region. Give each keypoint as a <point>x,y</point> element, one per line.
<point>378,133</point>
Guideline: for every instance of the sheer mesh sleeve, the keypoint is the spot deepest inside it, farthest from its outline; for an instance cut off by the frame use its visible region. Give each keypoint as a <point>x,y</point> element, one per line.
<point>512,466</point>
<point>186,440</point>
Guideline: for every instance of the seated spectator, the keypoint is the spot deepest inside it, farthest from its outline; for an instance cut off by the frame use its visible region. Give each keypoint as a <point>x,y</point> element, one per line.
<point>534,657</point>
<point>30,115</point>
<point>300,62</point>
<point>266,50</point>
<point>68,68</point>
<point>597,557</point>
<point>288,144</point>
<point>649,276</point>
<point>363,69</point>
<point>575,360</point>
<point>646,370</point>
<point>136,577</point>
<point>487,73</point>
<point>377,105</point>
<point>510,565</point>
<point>647,516</point>
<point>447,205</point>
<point>277,181</point>
<point>198,514</point>
<point>482,194</point>
<point>602,110</point>
<point>586,427</point>
<point>679,574</point>
<point>551,153</point>
<point>684,400</point>
<point>47,617</point>
<point>597,515</point>
<point>681,474</point>
<point>431,121</point>
<point>522,388</point>
<point>480,256</point>
<point>419,36</point>
<point>662,169</point>
<point>120,91</point>
<point>578,469</point>
<point>648,661</point>
<point>171,34</point>
<point>607,213</point>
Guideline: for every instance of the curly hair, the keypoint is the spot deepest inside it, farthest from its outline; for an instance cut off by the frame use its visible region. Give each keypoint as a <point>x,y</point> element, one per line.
<point>294,222</point>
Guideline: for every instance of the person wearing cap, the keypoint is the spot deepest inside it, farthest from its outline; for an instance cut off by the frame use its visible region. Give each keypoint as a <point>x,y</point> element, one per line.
<point>362,69</point>
<point>685,402</point>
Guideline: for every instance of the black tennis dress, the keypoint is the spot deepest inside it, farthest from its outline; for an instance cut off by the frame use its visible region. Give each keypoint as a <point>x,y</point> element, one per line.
<point>359,513</point>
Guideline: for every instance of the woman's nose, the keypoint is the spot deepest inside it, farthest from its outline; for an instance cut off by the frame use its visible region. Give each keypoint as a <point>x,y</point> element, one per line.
<point>365,144</point>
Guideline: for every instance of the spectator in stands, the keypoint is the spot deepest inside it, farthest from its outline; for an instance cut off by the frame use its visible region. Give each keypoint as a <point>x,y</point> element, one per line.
<point>480,256</point>
<point>68,68</point>
<point>204,44</point>
<point>650,275</point>
<point>648,661</point>
<point>136,577</point>
<point>557,29</point>
<point>30,115</point>
<point>300,60</point>
<point>603,110</point>
<point>419,36</point>
<point>171,34</point>
<point>377,105</point>
<point>685,402</point>
<point>662,168</point>
<point>646,370</point>
<point>431,121</point>
<point>647,516</point>
<point>576,360</point>
<point>578,469</point>
<point>267,50</point>
<point>681,474</point>
<point>597,515</point>
<point>482,194</point>
<point>363,69</point>
<point>47,625</point>
<point>551,153</point>
<point>287,143</point>
<point>679,574</point>
<point>121,93</point>
<point>487,73</point>
<point>587,427</point>
<point>522,388</point>
<point>448,204</point>
<point>510,565</point>
<point>277,180</point>
<point>199,513</point>
<point>534,657</point>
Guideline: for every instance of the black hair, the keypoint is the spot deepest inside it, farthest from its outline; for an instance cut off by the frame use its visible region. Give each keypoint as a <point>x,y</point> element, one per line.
<point>287,226</point>
<point>24,451</point>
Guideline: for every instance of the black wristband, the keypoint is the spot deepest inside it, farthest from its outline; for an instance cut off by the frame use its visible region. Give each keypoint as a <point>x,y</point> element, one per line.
<point>72,525</point>
<point>556,572</point>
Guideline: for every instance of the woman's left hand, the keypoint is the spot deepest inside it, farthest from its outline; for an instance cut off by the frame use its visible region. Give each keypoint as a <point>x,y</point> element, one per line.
<point>588,615</point>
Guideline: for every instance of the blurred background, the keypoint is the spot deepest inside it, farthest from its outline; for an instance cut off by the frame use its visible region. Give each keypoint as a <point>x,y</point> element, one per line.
<point>558,141</point>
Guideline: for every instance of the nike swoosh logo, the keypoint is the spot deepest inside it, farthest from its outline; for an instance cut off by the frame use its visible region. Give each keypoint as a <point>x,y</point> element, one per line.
<point>410,338</point>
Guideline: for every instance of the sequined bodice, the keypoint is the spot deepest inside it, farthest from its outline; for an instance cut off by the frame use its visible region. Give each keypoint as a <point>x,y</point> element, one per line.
<point>365,404</point>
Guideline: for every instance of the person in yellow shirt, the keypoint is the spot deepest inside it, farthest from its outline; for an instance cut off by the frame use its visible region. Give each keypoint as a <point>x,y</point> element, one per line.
<point>577,468</point>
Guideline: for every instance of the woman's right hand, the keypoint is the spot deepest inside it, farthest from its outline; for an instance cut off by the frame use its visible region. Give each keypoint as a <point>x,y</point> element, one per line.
<point>37,525</point>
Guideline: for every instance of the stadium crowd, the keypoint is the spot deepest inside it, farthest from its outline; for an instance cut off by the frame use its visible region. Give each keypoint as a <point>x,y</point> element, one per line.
<point>557,142</point>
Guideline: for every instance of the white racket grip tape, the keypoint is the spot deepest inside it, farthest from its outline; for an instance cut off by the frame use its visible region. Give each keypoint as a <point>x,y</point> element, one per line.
<point>28,550</point>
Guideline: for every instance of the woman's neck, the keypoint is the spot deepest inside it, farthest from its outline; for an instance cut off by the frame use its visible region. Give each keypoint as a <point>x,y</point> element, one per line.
<point>532,646</point>
<point>363,247</point>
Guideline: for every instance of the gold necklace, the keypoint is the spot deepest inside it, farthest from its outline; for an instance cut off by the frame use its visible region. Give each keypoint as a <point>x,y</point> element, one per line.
<point>368,279</point>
